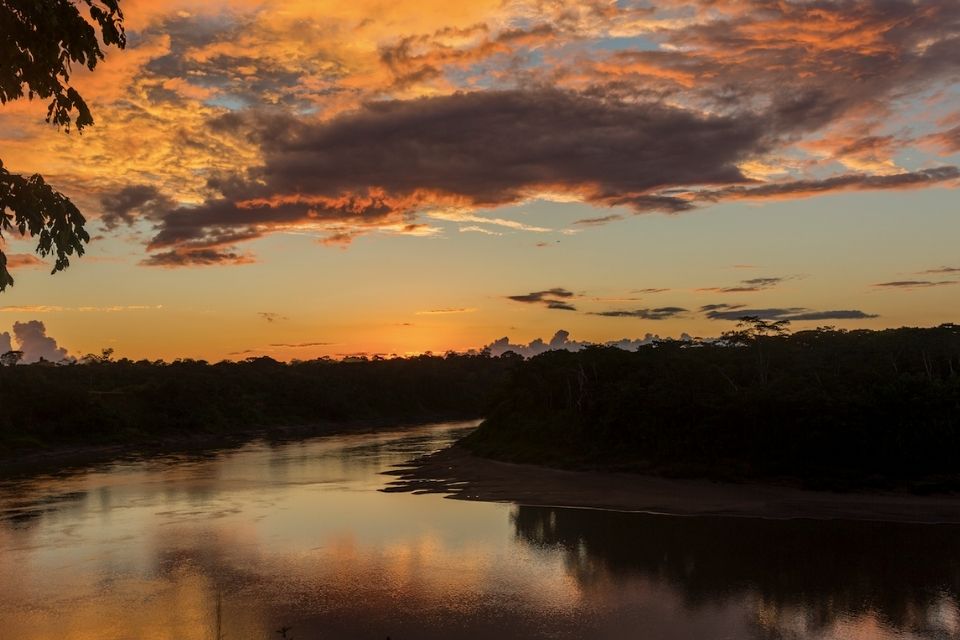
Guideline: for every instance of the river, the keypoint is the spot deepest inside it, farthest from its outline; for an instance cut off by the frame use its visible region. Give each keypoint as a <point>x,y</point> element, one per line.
<point>246,541</point>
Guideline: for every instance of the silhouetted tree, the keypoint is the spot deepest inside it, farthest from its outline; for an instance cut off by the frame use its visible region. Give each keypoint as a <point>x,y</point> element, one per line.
<point>754,331</point>
<point>42,40</point>
<point>106,355</point>
<point>11,358</point>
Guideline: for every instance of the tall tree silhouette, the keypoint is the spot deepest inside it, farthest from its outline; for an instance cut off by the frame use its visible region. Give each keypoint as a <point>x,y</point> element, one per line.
<point>42,41</point>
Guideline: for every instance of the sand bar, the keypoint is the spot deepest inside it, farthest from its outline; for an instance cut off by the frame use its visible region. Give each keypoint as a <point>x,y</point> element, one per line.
<point>461,475</point>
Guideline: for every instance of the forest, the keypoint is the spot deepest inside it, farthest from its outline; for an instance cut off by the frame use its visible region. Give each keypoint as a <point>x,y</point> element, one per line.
<point>102,401</point>
<point>831,408</point>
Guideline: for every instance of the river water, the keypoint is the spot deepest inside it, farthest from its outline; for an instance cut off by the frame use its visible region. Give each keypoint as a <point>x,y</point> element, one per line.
<point>246,541</point>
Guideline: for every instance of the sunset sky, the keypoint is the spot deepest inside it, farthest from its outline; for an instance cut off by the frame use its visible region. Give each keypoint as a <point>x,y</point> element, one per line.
<point>307,178</point>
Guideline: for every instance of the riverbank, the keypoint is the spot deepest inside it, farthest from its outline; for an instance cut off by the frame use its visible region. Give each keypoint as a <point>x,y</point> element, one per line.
<point>464,476</point>
<point>66,457</point>
<point>108,406</point>
<point>835,410</point>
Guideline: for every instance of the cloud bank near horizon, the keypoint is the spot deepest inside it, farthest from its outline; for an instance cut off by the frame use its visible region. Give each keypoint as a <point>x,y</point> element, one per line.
<point>561,340</point>
<point>31,338</point>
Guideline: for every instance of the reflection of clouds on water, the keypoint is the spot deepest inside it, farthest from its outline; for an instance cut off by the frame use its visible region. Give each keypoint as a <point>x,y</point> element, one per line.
<point>298,534</point>
<point>798,578</point>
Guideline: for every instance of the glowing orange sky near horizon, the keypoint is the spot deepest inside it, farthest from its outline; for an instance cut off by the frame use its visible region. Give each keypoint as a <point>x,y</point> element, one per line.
<point>327,178</point>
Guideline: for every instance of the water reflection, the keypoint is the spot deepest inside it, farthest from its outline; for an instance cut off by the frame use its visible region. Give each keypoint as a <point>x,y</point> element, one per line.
<point>800,575</point>
<point>298,534</point>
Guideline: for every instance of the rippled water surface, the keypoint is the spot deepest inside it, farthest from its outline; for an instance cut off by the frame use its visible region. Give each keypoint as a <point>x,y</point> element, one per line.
<point>299,535</point>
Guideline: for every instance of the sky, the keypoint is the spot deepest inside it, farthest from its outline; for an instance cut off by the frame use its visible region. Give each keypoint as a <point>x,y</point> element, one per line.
<point>313,178</point>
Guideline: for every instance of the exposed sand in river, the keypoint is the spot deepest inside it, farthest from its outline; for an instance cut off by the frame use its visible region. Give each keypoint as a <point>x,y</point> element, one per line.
<point>461,475</point>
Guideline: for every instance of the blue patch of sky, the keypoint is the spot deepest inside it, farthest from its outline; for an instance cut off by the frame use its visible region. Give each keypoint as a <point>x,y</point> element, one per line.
<point>625,43</point>
<point>226,101</point>
<point>478,76</point>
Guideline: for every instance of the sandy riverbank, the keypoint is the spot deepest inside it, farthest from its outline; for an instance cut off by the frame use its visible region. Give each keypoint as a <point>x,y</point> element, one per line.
<point>461,475</point>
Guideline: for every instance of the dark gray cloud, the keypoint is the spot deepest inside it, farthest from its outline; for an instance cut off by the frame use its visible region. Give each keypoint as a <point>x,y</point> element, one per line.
<point>651,202</point>
<point>848,314</point>
<point>556,298</point>
<point>943,270</point>
<point>717,307</point>
<point>195,258</point>
<point>736,312</point>
<point>129,203</point>
<point>763,282</point>
<point>748,286</point>
<point>619,142</point>
<point>660,313</point>
<point>538,296</point>
<point>390,159</point>
<point>914,284</point>
<point>272,317</point>
<point>853,181</point>
<point>591,222</point>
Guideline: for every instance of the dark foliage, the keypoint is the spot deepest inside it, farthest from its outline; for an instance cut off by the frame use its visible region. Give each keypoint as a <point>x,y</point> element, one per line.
<point>102,401</point>
<point>835,408</point>
<point>42,41</point>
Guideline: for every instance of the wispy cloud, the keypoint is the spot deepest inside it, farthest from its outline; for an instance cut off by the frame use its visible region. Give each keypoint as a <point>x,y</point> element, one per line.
<point>794,314</point>
<point>444,312</point>
<point>301,345</point>
<point>24,261</point>
<point>750,285</point>
<point>601,220</point>
<point>650,290</point>
<point>186,257</point>
<point>556,298</point>
<point>660,313</point>
<point>42,308</point>
<point>914,284</point>
<point>942,271</point>
<point>466,216</point>
<point>477,229</point>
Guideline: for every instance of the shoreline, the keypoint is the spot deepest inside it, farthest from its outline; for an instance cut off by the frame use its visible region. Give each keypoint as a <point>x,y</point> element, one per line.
<point>462,475</point>
<point>27,462</point>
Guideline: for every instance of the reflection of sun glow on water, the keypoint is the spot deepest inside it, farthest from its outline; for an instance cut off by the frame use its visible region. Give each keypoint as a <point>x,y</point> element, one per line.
<point>297,534</point>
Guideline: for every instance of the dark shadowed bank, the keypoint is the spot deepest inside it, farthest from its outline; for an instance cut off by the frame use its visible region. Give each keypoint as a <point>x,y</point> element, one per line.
<point>459,474</point>
<point>823,408</point>
<point>70,410</point>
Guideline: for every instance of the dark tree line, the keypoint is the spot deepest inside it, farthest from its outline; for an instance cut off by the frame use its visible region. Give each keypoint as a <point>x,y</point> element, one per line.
<point>835,409</point>
<point>102,401</point>
<point>827,406</point>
